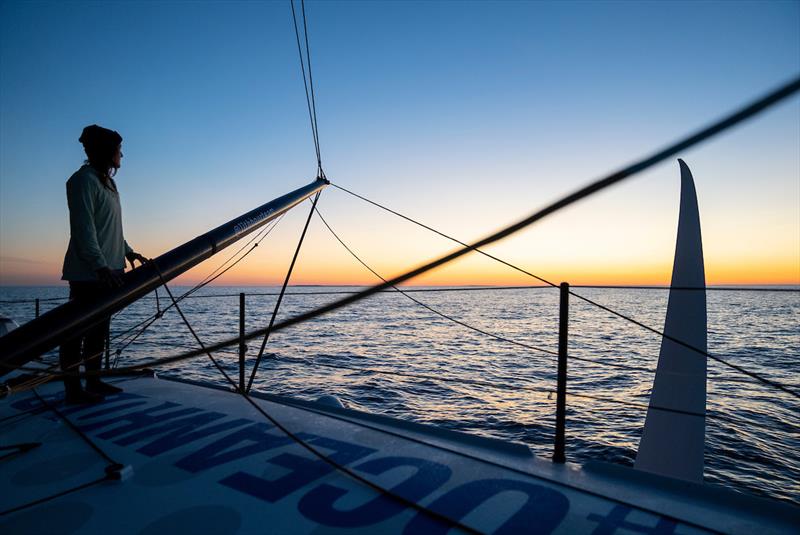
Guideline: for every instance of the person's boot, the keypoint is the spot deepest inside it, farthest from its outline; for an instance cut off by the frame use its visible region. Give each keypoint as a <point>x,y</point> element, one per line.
<point>75,395</point>
<point>96,386</point>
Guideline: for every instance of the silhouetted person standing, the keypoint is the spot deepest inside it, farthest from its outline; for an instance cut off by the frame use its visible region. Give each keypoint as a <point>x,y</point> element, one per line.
<point>95,259</point>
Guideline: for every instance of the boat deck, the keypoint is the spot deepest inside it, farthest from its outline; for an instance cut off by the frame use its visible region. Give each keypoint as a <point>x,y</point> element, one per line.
<point>200,459</point>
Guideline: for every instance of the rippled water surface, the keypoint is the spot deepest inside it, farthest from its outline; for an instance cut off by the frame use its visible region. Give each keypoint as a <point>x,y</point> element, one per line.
<point>365,354</point>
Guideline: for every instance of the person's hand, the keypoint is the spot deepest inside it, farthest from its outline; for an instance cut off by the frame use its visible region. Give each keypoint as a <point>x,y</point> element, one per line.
<point>136,256</point>
<point>109,278</point>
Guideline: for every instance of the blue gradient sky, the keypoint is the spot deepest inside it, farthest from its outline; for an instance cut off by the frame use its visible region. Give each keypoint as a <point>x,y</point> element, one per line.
<point>465,115</point>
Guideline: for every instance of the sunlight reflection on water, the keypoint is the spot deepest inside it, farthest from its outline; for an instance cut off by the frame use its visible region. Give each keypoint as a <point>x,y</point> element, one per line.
<point>752,431</point>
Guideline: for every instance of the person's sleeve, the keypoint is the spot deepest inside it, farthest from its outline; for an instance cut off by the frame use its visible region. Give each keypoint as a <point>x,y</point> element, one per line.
<point>128,248</point>
<point>80,200</point>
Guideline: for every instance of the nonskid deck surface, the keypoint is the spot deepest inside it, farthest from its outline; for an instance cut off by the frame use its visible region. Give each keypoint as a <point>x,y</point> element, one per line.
<point>205,461</point>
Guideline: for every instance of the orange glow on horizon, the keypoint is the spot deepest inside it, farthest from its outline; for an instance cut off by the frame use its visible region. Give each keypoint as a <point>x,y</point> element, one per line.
<point>327,270</point>
<point>652,275</point>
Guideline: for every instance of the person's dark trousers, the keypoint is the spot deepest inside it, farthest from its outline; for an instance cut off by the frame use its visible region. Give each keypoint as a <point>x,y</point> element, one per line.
<point>90,344</point>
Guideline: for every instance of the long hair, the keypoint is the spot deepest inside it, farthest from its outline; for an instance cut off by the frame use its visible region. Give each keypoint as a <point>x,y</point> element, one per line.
<point>101,159</point>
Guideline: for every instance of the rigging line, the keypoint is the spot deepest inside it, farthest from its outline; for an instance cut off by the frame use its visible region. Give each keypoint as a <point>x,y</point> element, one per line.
<point>206,281</point>
<point>25,414</point>
<point>280,297</point>
<point>706,288</point>
<point>744,371</point>
<point>643,406</point>
<point>127,340</point>
<point>211,277</point>
<point>42,376</point>
<point>426,227</point>
<point>54,496</point>
<point>127,334</point>
<point>727,122</point>
<point>758,377</point>
<point>132,339</point>
<point>311,84</point>
<point>305,84</point>
<point>390,292</point>
<point>129,330</point>
<point>76,429</point>
<point>481,288</point>
<point>480,458</point>
<point>622,316</point>
<point>475,382</point>
<point>717,417</point>
<point>611,364</point>
<point>189,326</point>
<point>420,303</point>
<point>300,442</point>
<point>22,301</point>
<point>751,374</point>
<point>350,473</point>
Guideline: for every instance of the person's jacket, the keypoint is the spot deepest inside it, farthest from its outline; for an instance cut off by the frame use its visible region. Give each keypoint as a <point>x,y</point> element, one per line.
<point>95,223</point>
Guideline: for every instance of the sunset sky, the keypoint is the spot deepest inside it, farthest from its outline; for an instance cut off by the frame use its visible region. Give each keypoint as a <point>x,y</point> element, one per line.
<point>466,116</point>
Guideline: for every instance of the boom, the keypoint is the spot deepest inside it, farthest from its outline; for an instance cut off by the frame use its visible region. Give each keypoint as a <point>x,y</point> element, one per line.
<point>50,329</point>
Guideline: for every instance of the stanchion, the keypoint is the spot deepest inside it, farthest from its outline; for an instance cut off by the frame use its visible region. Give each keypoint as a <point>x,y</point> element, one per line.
<point>561,392</point>
<point>108,349</point>
<point>242,346</point>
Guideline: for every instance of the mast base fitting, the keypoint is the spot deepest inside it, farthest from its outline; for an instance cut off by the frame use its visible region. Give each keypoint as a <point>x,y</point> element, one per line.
<point>119,472</point>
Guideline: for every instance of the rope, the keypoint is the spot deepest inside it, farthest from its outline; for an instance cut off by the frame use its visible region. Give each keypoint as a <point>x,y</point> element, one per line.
<point>744,113</point>
<point>126,336</point>
<point>420,303</point>
<point>310,102</point>
<point>754,375</point>
<point>758,377</point>
<point>54,496</point>
<point>208,279</point>
<point>17,449</point>
<point>442,234</point>
<point>705,288</point>
<point>258,238</point>
<point>188,325</point>
<point>311,84</point>
<point>76,429</point>
<point>463,289</point>
<point>301,442</point>
<point>280,297</point>
<point>24,414</point>
<point>736,367</point>
<point>478,382</point>
<point>346,471</point>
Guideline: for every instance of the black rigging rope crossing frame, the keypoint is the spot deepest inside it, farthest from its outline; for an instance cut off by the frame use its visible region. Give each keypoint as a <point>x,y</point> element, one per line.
<point>211,277</point>
<point>459,289</point>
<point>310,98</point>
<point>592,188</point>
<point>280,297</point>
<point>476,329</point>
<point>314,451</point>
<point>725,123</point>
<point>420,303</point>
<point>41,378</point>
<point>736,367</point>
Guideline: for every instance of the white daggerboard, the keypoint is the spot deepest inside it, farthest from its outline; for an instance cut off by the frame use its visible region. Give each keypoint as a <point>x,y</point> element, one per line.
<point>673,438</point>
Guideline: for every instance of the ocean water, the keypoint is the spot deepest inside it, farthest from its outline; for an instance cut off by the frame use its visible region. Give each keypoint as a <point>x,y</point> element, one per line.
<point>368,354</point>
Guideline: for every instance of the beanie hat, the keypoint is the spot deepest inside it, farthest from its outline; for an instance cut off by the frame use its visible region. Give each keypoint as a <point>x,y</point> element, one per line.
<point>96,137</point>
